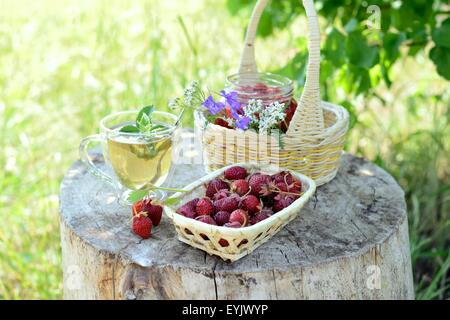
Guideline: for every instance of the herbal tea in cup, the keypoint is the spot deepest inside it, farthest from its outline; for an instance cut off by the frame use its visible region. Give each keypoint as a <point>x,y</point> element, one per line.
<point>137,163</point>
<point>137,145</point>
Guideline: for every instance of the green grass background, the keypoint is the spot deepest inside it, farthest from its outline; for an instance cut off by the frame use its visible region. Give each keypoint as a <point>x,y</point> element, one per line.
<point>65,64</point>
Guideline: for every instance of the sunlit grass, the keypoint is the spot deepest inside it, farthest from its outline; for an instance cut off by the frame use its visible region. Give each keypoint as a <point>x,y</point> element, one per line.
<point>66,64</point>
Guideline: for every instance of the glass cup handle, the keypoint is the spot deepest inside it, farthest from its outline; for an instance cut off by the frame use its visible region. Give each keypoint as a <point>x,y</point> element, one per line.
<point>84,156</point>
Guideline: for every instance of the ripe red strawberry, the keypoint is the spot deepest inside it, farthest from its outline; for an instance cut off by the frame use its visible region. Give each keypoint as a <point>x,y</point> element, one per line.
<point>240,216</point>
<point>214,186</point>
<point>281,202</point>
<point>240,186</point>
<point>251,204</point>
<point>222,217</point>
<point>141,206</point>
<point>295,187</point>
<point>221,122</point>
<point>206,219</point>
<point>235,173</point>
<point>154,212</point>
<point>259,217</point>
<point>234,224</point>
<point>289,114</point>
<point>227,204</point>
<point>253,174</point>
<point>282,186</point>
<point>142,225</point>
<point>137,207</point>
<point>221,194</point>
<point>188,209</point>
<point>283,176</point>
<point>258,183</point>
<point>204,207</point>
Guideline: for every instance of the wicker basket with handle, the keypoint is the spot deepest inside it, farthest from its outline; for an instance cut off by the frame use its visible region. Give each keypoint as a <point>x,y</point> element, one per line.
<point>315,138</point>
<point>239,241</point>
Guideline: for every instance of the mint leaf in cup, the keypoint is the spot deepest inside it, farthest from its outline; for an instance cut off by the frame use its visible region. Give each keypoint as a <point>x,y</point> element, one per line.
<point>129,129</point>
<point>144,123</point>
<point>145,115</point>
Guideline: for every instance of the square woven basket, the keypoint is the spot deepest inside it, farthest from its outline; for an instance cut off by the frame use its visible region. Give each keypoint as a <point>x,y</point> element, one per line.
<point>241,241</point>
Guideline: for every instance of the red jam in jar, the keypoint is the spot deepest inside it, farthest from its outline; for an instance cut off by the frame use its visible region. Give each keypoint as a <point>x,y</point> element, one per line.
<point>261,86</point>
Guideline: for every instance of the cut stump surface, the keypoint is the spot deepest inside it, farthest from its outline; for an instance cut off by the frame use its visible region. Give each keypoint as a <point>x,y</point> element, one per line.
<point>349,242</point>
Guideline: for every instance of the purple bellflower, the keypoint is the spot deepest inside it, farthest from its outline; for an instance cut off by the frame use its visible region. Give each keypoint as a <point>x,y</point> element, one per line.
<point>232,100</point>
<point>242,123</point>
<point>212,106</point>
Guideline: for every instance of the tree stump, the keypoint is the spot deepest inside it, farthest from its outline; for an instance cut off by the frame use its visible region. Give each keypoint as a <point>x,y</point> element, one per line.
<point>349,242</point>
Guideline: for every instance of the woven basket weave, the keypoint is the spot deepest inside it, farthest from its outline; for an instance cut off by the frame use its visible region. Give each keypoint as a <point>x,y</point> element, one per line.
<point>241,241</point>
<point>315,138</point>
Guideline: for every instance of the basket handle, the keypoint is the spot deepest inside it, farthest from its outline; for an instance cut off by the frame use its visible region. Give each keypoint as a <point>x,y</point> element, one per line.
<point>308,118</point>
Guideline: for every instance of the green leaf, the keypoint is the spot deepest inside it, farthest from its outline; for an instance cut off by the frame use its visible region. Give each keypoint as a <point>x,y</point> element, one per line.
<point>144,123</point>
<point>129,128</point>
<point>137,195</point>
<point>359,52</point>
<point>419,39</point>
<point>351,25</point>
<point>391,44</point>
<point>385,74</point>
<point>145,112</point>
<point>158,127</point>
<point>335,47</point>
<point>171,201</point>
<point>295,69</point>
<point>352,113</point>
<point>356,80</point>
<point>441,35</point>
<point>265,25</point>
<point>441,58</point>
<point>363,81</point>
<point>234,6</point>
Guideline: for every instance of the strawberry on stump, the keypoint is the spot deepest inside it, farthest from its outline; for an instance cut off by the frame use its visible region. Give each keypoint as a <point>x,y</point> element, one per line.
<point>142,225</point>
<point>153,211</point>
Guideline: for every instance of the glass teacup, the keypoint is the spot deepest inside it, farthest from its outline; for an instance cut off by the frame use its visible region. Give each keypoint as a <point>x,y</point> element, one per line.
<point>139,161</point>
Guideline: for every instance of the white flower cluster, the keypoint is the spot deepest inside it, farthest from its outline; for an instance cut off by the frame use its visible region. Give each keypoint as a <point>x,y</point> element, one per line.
<point>271,116</point>
<point>190,92</point>
<point>253,107</point>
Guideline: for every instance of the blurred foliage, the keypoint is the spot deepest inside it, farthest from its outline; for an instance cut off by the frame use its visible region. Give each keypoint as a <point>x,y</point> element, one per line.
<point>362,36</point>
<point>66,64</point>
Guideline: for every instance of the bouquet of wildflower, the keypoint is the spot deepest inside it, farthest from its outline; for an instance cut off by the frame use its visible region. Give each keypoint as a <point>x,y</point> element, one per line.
<point>224,109</point>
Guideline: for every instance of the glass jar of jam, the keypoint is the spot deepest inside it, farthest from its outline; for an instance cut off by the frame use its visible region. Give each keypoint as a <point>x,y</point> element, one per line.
<point>267,87</point>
